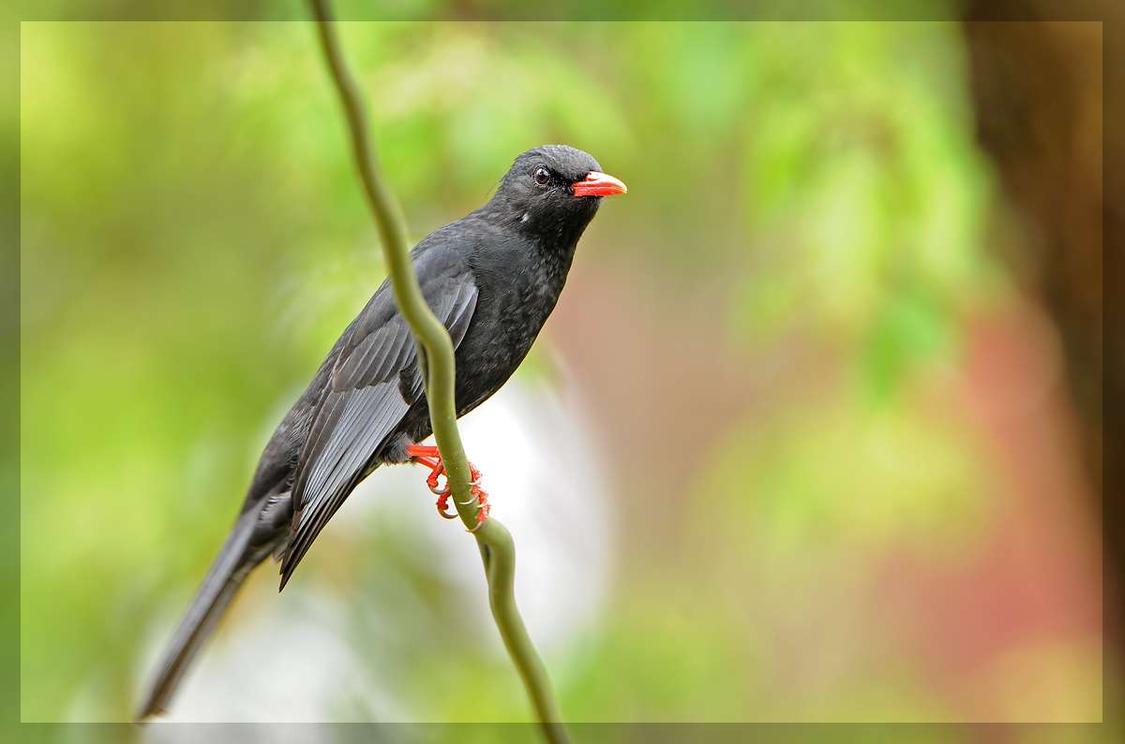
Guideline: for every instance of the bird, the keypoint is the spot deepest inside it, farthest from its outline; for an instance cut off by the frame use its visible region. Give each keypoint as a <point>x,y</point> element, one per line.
<point>492,278</point>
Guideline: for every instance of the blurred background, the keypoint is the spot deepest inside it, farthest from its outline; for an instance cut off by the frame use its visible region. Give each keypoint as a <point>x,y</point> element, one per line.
<point>813,434</point>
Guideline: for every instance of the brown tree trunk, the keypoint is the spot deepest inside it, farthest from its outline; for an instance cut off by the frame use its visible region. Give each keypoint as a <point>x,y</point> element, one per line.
<point>1037,90</point>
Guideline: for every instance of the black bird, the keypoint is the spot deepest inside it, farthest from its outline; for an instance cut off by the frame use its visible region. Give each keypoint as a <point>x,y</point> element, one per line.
<point>492,278</point>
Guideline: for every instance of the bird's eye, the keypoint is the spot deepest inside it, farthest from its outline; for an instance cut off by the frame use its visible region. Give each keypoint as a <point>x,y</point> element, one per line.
<point>542,176</point>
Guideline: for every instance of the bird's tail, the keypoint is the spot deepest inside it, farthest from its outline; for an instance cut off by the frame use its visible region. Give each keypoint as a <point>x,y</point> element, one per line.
<point>236,559</point>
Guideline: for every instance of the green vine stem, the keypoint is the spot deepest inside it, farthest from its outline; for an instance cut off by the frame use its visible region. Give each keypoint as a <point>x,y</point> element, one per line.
<point>496,546</point>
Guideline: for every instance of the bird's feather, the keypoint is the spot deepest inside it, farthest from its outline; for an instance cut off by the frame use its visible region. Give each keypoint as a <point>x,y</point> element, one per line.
<point>243,550</point>
<point>373,384</point>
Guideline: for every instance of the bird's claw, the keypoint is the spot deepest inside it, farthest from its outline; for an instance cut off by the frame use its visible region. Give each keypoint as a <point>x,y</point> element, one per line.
<point>431,458</point>
<point>442,506</point>
<point>481,497</point>
<point>435,489</point>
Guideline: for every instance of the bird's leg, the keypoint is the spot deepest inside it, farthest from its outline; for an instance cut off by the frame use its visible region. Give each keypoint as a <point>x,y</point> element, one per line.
<point>431,457</point>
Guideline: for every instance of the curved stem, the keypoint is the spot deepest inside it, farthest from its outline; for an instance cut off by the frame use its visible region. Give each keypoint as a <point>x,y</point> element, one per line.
<point>499,556</point>
<point>495,542</point>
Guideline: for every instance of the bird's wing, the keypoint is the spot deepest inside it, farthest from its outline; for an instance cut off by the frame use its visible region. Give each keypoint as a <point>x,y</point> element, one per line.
<point>374,382</point>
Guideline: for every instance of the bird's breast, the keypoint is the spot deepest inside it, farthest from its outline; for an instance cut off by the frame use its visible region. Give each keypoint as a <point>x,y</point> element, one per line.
<point>511,310</point>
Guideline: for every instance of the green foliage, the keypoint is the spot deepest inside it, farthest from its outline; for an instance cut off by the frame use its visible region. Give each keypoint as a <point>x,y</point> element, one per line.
<point>839,476</point>
<point>864,193</point>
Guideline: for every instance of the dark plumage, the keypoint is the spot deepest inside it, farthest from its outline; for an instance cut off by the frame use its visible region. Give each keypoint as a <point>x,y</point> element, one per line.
<point>492,278</point>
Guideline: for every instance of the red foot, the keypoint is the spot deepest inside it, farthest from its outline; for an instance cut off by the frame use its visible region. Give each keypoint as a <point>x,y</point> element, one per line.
<point>431,458</point>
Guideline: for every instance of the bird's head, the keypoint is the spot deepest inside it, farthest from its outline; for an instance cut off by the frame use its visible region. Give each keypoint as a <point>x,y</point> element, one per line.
<point>553,189</point>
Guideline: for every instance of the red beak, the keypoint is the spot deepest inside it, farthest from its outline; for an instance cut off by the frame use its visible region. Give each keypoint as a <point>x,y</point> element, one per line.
<point>598,184</point>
